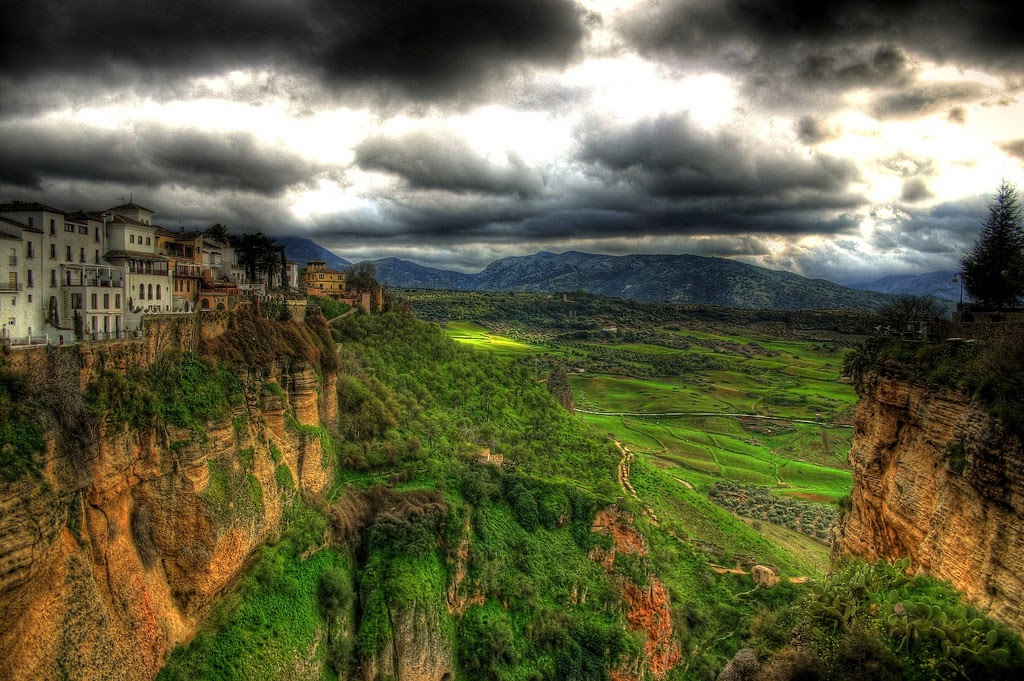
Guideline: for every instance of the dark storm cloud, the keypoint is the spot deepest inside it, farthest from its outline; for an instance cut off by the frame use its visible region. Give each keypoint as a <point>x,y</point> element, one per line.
<point>945,229</point>
<point>812,131</point>
<point>1014,148</point>
<point>146,155</point>
<point>670,156</point>
<point>981,33</point>
<point>795,55</point>
<point>439,161</point>
<point>424,48</point>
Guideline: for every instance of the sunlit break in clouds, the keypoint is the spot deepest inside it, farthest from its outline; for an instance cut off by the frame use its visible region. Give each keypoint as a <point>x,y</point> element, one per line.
<point>846,141</point>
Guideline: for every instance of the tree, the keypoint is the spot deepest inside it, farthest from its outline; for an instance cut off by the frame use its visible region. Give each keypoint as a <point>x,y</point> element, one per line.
<point>361,277</point>
<point>218,231</point>
<point>905,309</point>
<point>259,254</point>
<point>993,272</point>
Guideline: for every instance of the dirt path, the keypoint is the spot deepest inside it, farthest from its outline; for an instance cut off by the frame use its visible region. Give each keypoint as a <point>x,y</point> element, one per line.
<point>351,310</point>
<point>627,487</point>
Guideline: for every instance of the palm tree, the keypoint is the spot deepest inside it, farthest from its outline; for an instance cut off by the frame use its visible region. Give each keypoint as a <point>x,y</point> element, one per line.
<point>218,231</point>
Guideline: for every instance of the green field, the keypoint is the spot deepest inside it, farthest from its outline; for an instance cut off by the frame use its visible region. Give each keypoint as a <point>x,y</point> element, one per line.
<point>686,406</point>
<point>478,337</point>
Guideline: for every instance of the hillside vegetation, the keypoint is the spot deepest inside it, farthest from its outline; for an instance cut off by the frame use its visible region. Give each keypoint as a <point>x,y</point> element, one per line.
<point>492,565</point>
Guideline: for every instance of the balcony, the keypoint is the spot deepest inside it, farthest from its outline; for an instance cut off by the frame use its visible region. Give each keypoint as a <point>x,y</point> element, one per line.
<point>160,272</point>
<point>9,287</point>
<point>105,283</point>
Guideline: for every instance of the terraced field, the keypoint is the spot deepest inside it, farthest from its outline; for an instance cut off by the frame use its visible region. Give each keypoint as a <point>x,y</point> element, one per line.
<point>742,408</point>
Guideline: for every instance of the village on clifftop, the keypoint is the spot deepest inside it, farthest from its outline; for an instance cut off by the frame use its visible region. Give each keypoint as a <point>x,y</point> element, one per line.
<point>94,275</point>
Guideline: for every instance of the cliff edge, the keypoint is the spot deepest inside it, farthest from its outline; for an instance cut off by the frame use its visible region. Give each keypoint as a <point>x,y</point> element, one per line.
<point>938,479</point>
<point>114,551</point>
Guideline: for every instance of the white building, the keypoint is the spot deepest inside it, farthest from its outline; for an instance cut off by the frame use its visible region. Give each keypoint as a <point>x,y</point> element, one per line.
<point>132,245</point>
<point>20,313</point>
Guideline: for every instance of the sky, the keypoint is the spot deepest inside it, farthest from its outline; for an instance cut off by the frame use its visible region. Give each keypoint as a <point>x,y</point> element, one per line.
<point>845,140</point>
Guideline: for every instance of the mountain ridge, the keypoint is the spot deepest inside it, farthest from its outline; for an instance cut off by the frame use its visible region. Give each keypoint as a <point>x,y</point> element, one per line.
<point>937,284</point>
<point>683,279</point>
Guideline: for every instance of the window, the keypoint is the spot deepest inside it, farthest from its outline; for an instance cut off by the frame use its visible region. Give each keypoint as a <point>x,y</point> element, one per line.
<point>150,292</point>
<point>31,220</point>
<point>53,225</point>
<point>83,229</point>
<point>67,227</point>
<point>30,297</point>
<point>142,291</point>
<point>68,254</point>
<point>31,283</point>
<point>53,278</point>
<point>131,238</point>
<point>106,301</point>
<point>117,300</point>
<point>147,241</point>
<point>31,252</point>
<point>94,302</point>
<point>53,251</point>
<point>81,255</point>
<point>158,291</point>
<point>97,256</point>
<point>97,236</point>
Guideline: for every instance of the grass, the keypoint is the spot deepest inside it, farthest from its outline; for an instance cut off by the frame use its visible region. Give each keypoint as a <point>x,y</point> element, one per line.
<point>476,336</point>
<point>742,373</point>
<point>274,622</point>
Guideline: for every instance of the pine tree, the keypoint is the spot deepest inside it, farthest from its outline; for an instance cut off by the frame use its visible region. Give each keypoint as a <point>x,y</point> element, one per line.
<point>993,272</point>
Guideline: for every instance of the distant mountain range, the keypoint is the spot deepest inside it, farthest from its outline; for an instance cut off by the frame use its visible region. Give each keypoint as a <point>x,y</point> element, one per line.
<point>303,250</point>
<point>685,279</point>
<point>936,284</point>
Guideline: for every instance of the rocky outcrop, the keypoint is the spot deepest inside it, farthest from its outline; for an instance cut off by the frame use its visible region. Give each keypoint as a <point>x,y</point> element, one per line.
<point>937,479</point>
<point>117,553</point>
<point>648,604</point>
<point>418,650</point>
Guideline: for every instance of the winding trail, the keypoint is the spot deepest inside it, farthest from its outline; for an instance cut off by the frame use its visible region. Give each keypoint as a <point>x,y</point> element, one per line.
<point>351,310</point>
<point>627,487</point>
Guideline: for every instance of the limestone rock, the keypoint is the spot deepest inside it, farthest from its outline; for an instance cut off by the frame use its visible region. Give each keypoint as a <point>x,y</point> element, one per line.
<point>937,479</point>
<point>764,576</point>
<point>118,553</point>
<point>742,667</point>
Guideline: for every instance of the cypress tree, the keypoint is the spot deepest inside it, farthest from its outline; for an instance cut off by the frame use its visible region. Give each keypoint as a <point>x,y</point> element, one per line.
<point>993,272</point>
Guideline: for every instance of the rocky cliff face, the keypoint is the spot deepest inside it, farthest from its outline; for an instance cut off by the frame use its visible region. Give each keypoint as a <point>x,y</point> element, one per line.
<point>648,605</point>
<point>938,480</point>
<point>118,552</point>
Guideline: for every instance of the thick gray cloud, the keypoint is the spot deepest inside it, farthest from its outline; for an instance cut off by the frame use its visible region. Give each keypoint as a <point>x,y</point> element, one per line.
<point>421,48</point>
<point>442,161</point>
<point>980,33</point>
<point>146,155</point>
<point>670,156</point>
<point>793,55</point>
